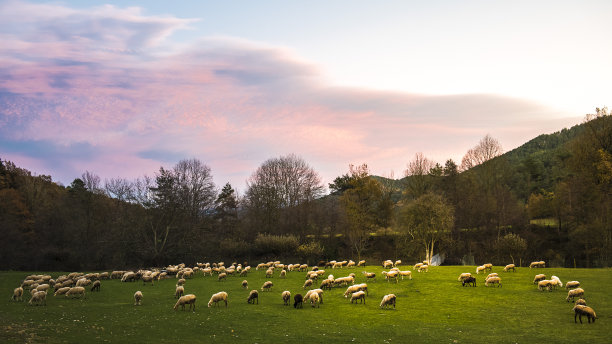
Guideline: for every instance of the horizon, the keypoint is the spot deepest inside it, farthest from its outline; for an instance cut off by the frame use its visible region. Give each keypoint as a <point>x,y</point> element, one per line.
<point>121,89</point>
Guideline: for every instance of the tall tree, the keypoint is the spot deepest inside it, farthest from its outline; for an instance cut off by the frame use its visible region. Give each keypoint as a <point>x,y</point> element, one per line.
<point>418,181</point>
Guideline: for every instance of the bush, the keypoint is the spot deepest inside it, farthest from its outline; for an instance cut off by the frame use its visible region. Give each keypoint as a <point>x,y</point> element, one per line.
<point>276,245</point>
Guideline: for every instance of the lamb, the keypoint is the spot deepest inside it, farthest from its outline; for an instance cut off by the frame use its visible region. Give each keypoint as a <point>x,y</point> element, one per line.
<point>556,282</point>
<point>298,300</point>
<point>572,285</point>
<point>286,295</point>
<point>580,310</point>
<point>137,298</point>
<point>539,278</point>
<point>360,295</point>
<point>220,296</point>
<point>267,286</point>
<point>493,280</point>
<point>180,291</point>
<point>423,268</point>
<point>464,276</point>
<point>39,297</point>
<point>95,286</point>
<point>314,299</point>
<point>370,275</point>
<point>245,284</point>
<point>222,276</point>
<point>61,291</point>
<point>188,299</point>
<point>405,273</point>
<point>510,267</point>
<point>470,280</point>
<point>77,291</point>
<point>253,295</point>
<point>578,292</point>
<point>479,269</point>
<point>388,300</point>
<point>17,294</point>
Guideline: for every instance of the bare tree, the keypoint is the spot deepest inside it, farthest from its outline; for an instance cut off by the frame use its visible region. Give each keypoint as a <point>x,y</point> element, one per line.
<point>119,188</point>
<point>417,173</point>
<point>92,182</point>
<point>487,149</point>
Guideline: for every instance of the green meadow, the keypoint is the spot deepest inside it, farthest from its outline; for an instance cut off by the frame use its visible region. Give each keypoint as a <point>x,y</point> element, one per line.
<point>433,307</point>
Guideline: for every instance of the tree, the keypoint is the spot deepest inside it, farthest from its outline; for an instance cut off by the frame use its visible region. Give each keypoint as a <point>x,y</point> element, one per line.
<point>512,245</point>
<point>226,209</point>
<point>427,220</point>
<point>487,149</point>
<point>417,175</point>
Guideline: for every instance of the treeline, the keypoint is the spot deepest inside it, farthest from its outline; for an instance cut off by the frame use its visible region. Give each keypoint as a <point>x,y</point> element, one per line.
<point>549,199</point>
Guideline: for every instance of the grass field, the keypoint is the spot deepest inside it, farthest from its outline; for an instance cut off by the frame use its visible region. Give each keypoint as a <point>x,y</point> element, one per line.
<point>431,308</point>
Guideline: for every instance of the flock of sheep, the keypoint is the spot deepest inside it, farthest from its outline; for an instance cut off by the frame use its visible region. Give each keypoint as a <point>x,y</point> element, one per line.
<point>73,285</point>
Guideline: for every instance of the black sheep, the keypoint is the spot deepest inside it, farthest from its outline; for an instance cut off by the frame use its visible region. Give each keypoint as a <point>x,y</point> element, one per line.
<point>469,281</point>
<point>298,300</point>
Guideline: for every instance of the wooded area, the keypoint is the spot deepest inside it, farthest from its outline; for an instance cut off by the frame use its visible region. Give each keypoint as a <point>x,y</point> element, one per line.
<point>549,199</point>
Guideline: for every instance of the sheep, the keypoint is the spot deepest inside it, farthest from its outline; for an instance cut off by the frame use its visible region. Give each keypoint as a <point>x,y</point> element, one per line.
<point>317,291</point>
<point>303,267</point>
<point>350,264</point>
<point>581,302</point>
<point>261,266</point>
<point>510,267</point>
<point>493,280</point>
<point>267,286</point>
<point>493,274</point>
<point>307,284</point>
<point>180,291</point>
<point>355,288</point>
<point>337,265</point>
<point>270,273</point>
<point>578,292</point>
<point>286,295</point>
<point>137,298</point>
<point>128,277</point>
<point>361,263</point>
<point>39,297</point>
<point>245,284</point>
<point>397,263</point>
<point>370,275</point>
<point>464,276</point>
<point>220,296</point>
<point>315,300</point>
<point>253,295</point>
<point>488,266</point>
<point>538,278</point>
<point>555,281</point>
<point>188,299</point>
<point>388,300</point>
<point>17,294</point>
<point>61,291</point>
<point>181,281</point>
<point>221,276</point>
<point>545,284</point>
<point>95,286</point>
<point>326,284</point>
<point>391,274</point>
<point>479,269</point>
<point>360,295</point>
<point>298,300</point>
<point>387,264</point>
<point>406,273</point>
<point>77,291</point>
<point>83,282</point>
<point>572,285</point>
<point>470,280</point>
<point>283,273</point>
<point>580,310</point>
<point>540,264</point>
<point>147,278</point>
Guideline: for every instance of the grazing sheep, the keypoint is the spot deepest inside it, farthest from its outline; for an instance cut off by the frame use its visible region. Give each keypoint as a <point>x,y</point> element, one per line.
<point>222,276</point>
<point>181,281</point>
<point>270,273</point>
<point>545,284</point>
<point>83,282</point>
<point>488,266</point>
<point>540,264</point>
<point>39,297</point>
<point>350,264</point>
<point>578,292</point>
<point>555,281</point>
<point>510,267</point>
<point>61,291</point>
<point>315,300</point>
<point>464,276</point>
<point>317,291</point>
<point>76,291</point>
<point>405,273</point>
<point>479,269</point>
<point>471,280</point>
<point>298,300</point>
<point>283,274</point>
<point>387,301</point>
<point>538,278</point>
<point>128,277</point>
<point>359,295</point>
<point>95,286</point>
<point>493,274</point>
<point>581,302</point>
<point>17,294</point>
<point>423,268</point>
<point>580,310</point>
<point>391,274</point>
<point>355,288</point>
<point>180,291</point>
<point>188,299</point>
<point>147,278</point>
<point>307,284</point>
<point>253,295</point>
<point>387,264</point>
<point>267,286</point>
<point>137,298</point>
<point>286,295</point>
<point>220,296</point>
<point>245,284</point>
<point>572,285</point>
<point>370,275</point>
<point>493,280</point>
<point>326,284</point>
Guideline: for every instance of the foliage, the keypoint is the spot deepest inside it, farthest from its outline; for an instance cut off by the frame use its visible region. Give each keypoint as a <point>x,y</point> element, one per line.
<point>276,245</point>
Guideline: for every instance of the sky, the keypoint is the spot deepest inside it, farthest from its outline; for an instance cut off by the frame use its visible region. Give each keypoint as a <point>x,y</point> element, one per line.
<point>122,88</point>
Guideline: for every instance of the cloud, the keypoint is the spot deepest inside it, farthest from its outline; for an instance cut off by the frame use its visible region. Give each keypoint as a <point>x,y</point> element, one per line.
<point>91,90</point>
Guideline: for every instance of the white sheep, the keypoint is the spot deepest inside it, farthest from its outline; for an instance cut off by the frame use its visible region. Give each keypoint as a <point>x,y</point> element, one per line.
<point>361,263</point>
<point>314,299</point>
<point>388,300</point>
<point>76,291</point>
<point>555,281</point>
<point>493,280</point>
<point>423,268</point>
<point>137,298</point>
<point>464,276</point>
<point>572,285</point>
<point>17,294</point>
<point>253,295</point>
<point>267,286</point>
<point>283,273</point>
<point>538,278</point>
<point>540,264</point>
<point>245,284</point>
<point>317,291</point>
<point>222,276</point>
<point>307,284</point>
<point>355,288</point>
<point>220,296</point>
<point>510,267</point>
<point>188,299</point>
<point>286,295</point>
<point>180,291</point>
<point>95,286</point>
<point>350,264</point>
<point>406,273</point>
<point>39,297</point>
<point>493,274</point>
<point>270,273</point>
<point>370,275</point>
<point>580,310</point>
<point>578,292</point>
<point>387,264</point>
<point>326,284</point>
<point>397,263</point>
<point>545,284</point>
<point>61,291</point>
<point>480,269</point>
<point>359,295</point>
